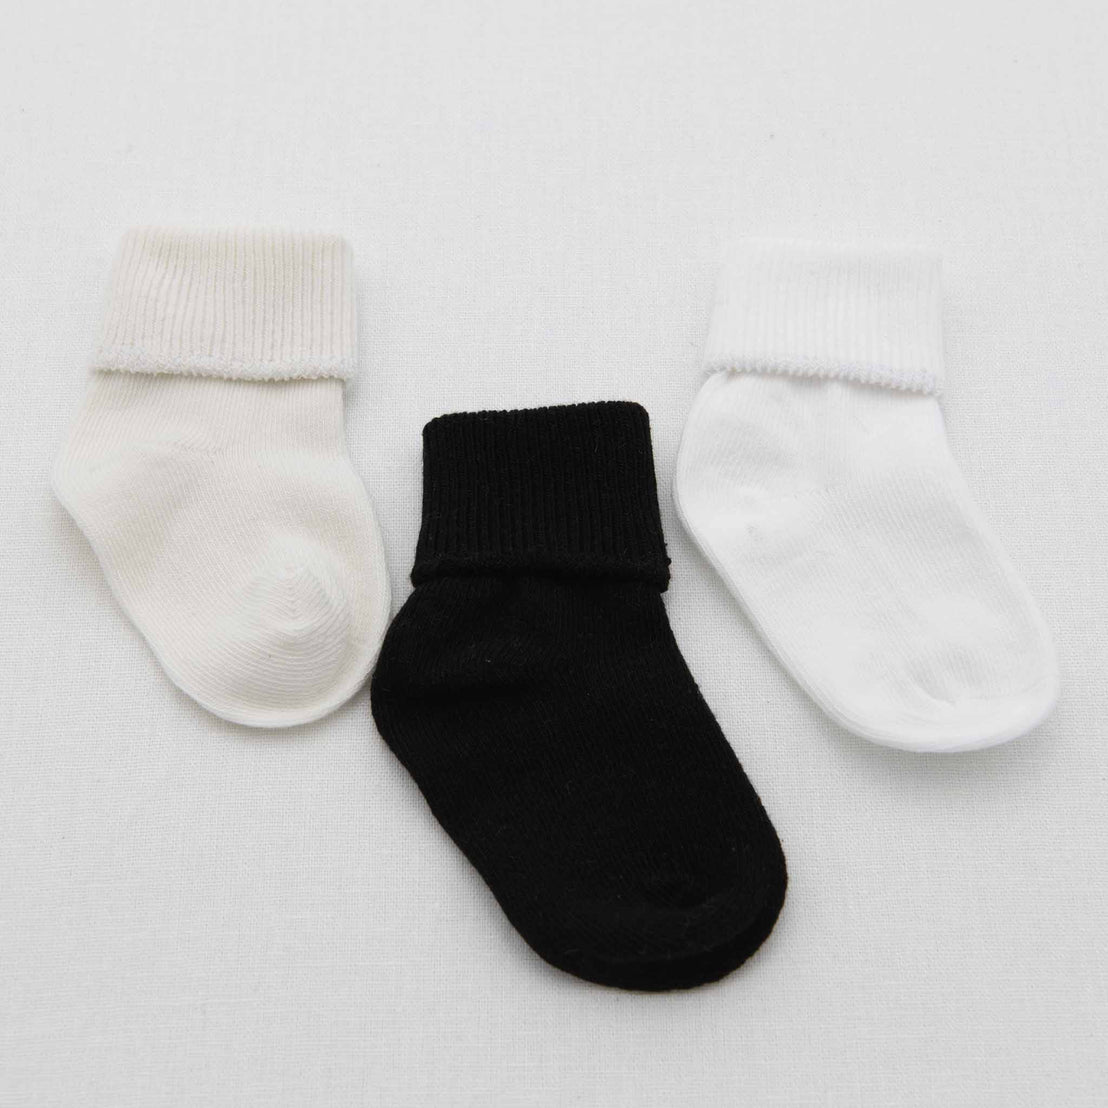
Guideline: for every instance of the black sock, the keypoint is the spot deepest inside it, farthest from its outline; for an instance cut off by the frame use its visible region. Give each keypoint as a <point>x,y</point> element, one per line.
<point>532,686</point>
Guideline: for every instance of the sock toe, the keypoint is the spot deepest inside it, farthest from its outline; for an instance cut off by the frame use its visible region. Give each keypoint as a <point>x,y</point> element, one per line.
<point>664,936</point>
<point>949,695</point>
<point>968,722</point>
<point>288,649</point>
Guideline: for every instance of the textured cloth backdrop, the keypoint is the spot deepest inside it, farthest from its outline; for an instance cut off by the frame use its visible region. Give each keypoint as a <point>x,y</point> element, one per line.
<point>193,913</point>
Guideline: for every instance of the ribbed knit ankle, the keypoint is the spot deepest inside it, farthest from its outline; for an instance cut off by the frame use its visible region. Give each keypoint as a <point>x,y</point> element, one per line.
<point>556,490</point>
<point>208,469</point>
<point>532,687</point>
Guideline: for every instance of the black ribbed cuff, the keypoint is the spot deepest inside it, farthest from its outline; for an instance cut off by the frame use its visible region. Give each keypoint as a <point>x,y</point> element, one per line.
<point>566,490</point>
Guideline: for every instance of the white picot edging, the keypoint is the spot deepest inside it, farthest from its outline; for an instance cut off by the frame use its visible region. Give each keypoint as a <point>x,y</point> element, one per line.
<point>253,305</point>
<point>870,315</point>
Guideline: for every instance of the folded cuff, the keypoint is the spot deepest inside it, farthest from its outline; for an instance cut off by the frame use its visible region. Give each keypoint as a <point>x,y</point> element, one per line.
<point>869,315</point>
<point>566,490</point>
<point>258,305</point>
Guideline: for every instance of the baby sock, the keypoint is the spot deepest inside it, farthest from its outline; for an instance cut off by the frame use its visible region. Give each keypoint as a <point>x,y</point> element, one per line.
<point>814,474</point>
<point>533,688</point>
<point>208,469</point>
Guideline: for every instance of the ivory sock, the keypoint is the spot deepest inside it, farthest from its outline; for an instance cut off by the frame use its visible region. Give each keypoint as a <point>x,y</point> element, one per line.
<point>208,469</point>
<point>815,475</point>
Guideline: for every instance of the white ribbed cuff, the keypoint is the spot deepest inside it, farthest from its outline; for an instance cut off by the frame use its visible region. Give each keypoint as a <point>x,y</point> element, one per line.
<point>258,305</point>
<point>871,315</point>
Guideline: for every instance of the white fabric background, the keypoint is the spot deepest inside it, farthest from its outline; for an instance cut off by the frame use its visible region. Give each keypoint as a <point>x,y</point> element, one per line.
<point>193,913</point>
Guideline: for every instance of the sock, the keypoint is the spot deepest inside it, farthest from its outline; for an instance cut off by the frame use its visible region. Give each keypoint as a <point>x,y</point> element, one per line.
<point>815,476</point>
<point>533,688</point>
<point>208,469</point>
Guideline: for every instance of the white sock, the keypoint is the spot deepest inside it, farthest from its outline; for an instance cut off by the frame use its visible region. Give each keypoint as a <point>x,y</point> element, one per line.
<point>208,469</point>
<point>814,473</point>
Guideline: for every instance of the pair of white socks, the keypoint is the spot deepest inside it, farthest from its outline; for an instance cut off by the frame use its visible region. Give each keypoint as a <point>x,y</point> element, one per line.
<point>815,475</point>
<point>208,469</point>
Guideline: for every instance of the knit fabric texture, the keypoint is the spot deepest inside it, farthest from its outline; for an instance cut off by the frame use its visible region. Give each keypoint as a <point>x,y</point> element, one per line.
<point>533,688</point>
<point>804,309</point>
<point>258,305</point>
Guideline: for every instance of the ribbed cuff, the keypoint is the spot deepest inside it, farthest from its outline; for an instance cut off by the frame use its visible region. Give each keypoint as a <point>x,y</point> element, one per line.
<point>259,305</point>
<point>567,490</point>
<point>869,315</point>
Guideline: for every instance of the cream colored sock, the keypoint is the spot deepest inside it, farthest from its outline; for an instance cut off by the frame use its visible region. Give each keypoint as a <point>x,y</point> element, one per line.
<point>208,469</point>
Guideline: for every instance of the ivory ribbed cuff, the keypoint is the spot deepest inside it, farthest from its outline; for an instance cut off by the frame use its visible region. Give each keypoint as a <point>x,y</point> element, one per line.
<point>256,305</point>
<point>869,315</point>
